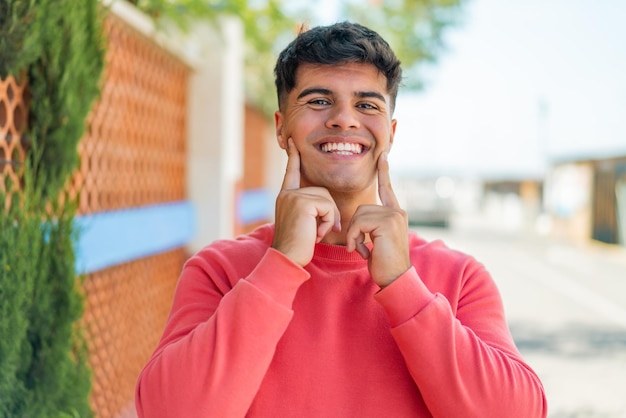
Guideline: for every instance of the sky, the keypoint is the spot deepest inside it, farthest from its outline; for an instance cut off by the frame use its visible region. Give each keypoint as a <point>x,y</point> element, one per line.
<point>520,85</point>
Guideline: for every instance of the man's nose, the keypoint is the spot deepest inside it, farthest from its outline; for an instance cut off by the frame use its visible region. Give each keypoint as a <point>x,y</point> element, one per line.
<point>343,116</point>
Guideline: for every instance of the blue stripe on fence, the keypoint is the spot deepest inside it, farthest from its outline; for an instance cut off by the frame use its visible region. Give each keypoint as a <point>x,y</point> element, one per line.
<point>110,238</point>
<point>255,205</point>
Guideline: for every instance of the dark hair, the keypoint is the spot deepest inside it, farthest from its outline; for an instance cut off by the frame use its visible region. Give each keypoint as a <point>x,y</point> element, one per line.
<point>339,43</point>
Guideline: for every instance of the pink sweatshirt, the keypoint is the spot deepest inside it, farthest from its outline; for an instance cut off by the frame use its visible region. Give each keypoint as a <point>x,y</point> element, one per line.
<point>251,334</point>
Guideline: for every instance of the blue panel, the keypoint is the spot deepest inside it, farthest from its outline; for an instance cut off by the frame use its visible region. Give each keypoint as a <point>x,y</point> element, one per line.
<point>255,205</point>
<point>110,238</point>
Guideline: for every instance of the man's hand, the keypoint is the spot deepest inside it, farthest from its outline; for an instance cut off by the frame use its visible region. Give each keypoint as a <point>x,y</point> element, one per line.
<point>303,215</point>
<point>387,226</point>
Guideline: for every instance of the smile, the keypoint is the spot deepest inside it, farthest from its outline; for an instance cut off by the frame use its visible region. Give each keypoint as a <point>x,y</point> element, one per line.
<point>342,148</point>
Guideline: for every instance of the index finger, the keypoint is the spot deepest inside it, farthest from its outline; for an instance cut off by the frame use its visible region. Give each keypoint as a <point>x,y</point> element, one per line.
<point>385,191</point>
<point>292,172</point>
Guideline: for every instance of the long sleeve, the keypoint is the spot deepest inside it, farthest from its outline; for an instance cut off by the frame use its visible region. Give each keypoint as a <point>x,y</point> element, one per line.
<point>218,341</point>
<point>457,346</point>
<point>252,334</point>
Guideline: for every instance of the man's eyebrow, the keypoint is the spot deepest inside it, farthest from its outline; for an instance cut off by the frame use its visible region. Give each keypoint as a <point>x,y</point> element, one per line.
<point>314,90</point>
<point>326,92</point>
<point>370,94</point>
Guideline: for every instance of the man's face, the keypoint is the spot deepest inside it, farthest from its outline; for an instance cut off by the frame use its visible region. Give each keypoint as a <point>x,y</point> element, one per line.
<point>340,120</point>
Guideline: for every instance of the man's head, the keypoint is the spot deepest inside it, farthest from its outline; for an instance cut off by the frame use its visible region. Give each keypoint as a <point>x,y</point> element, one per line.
<point>337,44</point>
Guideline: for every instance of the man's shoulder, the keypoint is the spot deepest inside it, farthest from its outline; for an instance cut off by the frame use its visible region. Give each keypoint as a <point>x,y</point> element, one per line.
<point>435,246</point>
<point>241,250</point>
<point>436,253</point>
<point>258,239</point>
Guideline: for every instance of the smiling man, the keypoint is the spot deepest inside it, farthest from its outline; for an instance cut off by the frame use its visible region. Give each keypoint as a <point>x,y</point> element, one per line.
<point>337,309</point>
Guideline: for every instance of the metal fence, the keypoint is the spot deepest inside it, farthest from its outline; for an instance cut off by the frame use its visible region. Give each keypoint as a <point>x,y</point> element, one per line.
<point>13,119</point>
<point>132,156</point>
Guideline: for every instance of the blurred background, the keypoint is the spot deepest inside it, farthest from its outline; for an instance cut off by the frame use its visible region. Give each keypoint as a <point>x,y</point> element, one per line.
<point>510,146</point>
<point>528,99</point>
<point>516,153</point>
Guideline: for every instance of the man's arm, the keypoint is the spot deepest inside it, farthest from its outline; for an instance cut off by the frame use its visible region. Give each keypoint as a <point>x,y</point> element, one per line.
<point>463,360</point>
<point>218,342</point>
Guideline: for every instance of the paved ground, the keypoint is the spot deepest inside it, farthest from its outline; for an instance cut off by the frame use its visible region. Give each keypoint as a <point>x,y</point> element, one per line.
<point>566,306</point>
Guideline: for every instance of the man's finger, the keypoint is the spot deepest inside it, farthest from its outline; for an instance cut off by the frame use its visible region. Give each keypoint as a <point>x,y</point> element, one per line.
<point>327,221</point>
<point>385,191</point>
<point>292,172</point>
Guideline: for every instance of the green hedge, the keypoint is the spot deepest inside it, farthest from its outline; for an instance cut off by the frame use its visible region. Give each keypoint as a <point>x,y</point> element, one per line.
<point>43,358</point>
<point>58,46</point>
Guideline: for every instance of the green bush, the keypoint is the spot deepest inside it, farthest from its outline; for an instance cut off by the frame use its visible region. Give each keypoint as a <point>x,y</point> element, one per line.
<point>58,43</point>
<point>58,46</point>
<point>43,358</point>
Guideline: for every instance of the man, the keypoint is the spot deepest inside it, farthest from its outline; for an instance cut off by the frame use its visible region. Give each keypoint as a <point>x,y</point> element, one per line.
<point>336,310</point>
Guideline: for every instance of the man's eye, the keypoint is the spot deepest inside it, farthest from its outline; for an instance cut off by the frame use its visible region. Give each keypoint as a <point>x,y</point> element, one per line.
<point>319,102</point>
<point>367,106</point>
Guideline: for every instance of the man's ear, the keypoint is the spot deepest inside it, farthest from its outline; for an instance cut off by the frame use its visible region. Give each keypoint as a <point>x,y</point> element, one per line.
<point>392,133</point>
<point>278,121</point>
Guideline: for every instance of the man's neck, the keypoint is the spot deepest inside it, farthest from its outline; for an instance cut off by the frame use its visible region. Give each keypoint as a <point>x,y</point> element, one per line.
<point>347,205</point>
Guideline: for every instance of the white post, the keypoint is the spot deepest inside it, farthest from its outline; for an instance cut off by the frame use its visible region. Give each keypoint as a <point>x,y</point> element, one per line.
<point>215,129</point>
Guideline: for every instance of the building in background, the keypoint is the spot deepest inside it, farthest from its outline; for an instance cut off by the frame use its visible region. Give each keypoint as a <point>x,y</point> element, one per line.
<point>586,199</point>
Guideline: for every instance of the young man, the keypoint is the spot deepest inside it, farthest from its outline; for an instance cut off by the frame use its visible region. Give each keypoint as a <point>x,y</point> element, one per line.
<point>336,310</point>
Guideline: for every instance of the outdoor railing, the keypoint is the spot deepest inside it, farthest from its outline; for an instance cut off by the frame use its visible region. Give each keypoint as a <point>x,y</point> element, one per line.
<point>131,179</point>
<point>132,166</point>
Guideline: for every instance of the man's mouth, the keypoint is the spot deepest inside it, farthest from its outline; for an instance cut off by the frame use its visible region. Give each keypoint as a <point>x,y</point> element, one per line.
<point>342,148</point>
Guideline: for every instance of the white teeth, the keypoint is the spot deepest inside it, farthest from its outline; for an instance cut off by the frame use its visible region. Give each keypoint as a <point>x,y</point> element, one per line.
<point>342,148</point>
